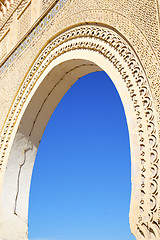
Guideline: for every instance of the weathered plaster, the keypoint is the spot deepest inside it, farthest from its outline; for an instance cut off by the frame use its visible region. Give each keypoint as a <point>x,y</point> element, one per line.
<point>119,37</point>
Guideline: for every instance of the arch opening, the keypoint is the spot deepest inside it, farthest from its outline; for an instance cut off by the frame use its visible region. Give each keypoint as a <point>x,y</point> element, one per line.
<point>31,128</point>
<point>85,167</point>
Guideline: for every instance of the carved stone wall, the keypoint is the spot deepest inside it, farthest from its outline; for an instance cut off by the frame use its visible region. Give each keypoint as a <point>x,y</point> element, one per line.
<point>143,14</point>
<point>24,19</point>
<point>126,34</point>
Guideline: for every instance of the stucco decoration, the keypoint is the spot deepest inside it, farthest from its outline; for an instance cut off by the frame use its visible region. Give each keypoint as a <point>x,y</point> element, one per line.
<point>76,48</point>
<point>4,6</point>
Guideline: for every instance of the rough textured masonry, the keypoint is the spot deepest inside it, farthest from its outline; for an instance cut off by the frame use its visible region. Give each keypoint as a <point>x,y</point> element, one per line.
<point>45,46</point>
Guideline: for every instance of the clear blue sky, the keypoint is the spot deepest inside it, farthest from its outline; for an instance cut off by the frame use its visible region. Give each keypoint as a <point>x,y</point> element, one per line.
<point>81,183</point>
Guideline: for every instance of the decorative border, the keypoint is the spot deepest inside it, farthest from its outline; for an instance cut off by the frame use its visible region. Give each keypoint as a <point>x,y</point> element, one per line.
<point>147,221</point>
<point>23,10</point>
<point>40,26</point>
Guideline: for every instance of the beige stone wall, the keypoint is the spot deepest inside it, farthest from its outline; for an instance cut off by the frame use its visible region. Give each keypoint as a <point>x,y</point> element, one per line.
<point>137,21</point>
<point>132,28</point>
<point>143,14</point>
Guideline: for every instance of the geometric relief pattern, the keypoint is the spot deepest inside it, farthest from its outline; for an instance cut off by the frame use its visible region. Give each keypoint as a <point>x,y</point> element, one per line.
<point>24,21</point>
<point>38,28</point>
<point>45,4</point>
<point>21,7</point>
<point>148,217</point>
<point>3,46</point>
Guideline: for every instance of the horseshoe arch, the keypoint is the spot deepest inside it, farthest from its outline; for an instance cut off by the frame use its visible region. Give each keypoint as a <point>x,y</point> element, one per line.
<point>75,52</point>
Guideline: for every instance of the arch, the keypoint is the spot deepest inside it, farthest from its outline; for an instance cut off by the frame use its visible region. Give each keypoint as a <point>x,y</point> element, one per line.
<point>72,54</point>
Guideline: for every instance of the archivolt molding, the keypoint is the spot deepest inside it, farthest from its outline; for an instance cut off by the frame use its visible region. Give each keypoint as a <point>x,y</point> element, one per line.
<point>151,225</point>
<point>65,18</point>
<point>148,56</point>
<point>148,219</point>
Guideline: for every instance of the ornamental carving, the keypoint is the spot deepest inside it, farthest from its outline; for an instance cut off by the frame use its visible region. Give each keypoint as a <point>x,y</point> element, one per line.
<point>125,34</point>
<point>147,225</point>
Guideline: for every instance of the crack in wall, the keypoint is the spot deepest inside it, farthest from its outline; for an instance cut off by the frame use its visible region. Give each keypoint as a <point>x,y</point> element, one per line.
<point>18,178</point>
<point>52,91</point>
<point>31,147</point>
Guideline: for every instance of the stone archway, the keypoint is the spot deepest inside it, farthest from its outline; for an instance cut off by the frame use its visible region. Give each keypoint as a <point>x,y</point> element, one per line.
<point>74,53</point>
